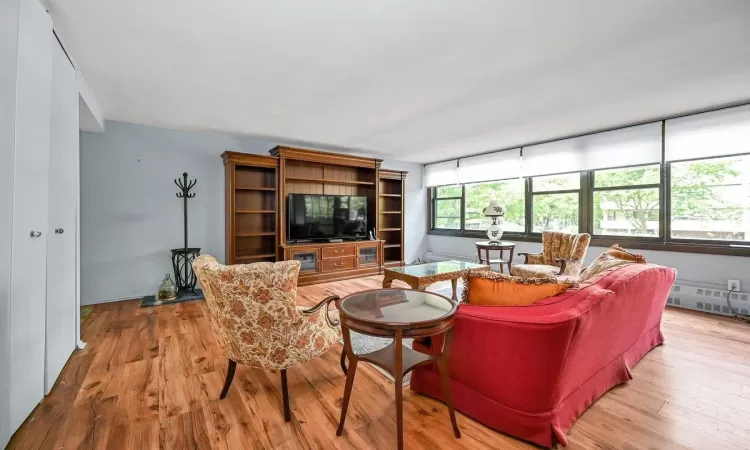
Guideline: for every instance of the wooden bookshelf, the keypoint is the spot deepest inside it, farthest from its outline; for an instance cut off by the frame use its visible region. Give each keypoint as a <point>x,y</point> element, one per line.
<point>391,192</point>
<point>257,188</point>
<point>251,207</point>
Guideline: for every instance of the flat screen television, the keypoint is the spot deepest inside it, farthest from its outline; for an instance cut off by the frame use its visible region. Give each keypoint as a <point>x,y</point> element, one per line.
<point>322,217</point>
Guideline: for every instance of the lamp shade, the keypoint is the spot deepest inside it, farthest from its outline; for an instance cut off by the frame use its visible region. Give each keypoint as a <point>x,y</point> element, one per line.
<point>494,210</point>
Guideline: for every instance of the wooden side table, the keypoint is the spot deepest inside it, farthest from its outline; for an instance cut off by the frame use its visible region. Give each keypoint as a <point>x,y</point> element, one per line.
<point>501,246</point>
<point>396,313</point>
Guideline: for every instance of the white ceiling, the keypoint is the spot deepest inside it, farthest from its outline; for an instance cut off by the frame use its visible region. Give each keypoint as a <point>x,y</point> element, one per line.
<point>416,80</point>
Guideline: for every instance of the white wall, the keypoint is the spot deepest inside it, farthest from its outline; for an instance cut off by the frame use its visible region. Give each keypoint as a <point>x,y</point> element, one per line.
<point>131,218</point>
<point>695,269</point>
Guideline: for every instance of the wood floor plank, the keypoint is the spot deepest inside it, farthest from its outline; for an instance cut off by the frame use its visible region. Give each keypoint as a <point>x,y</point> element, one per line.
<point>150,378</point>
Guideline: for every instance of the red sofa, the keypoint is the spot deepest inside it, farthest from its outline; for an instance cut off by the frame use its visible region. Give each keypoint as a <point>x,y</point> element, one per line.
<point>530,371</point>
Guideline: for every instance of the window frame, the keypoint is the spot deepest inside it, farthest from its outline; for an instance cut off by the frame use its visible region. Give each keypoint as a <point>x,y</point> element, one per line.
<point>619,237</point>
<point>583,181</point>
<point>432,192</point>
<point>479,233</point>
<point>668,211</point>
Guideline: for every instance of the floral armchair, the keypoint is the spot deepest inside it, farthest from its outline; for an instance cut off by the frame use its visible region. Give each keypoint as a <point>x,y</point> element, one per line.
<point>562,255</point>
<point>256,321</point>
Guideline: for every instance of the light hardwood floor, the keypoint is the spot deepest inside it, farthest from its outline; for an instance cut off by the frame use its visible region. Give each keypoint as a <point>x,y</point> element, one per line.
<point>150,378</point>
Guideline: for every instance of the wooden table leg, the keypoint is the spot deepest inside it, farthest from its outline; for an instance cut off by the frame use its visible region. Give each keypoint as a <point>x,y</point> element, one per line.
<point>398,380</point>
<point>349,378</point>
<point>510,260</point>
<point>487,255</point>
<point>387,281</point>
<point>479,255</point>
<point>454,283</point>
<point>445,382</point>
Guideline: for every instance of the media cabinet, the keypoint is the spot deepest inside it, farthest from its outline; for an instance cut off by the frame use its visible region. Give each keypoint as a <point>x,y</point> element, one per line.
<point>256,191</point>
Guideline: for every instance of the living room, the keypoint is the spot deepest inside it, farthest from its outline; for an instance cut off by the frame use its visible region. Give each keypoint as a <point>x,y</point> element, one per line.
<point>484,224</point>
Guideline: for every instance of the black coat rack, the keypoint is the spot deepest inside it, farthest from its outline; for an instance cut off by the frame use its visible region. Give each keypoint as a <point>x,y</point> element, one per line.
<point>182,258</point>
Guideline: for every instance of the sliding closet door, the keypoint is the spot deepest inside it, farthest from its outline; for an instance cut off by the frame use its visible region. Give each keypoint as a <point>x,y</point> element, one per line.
<point>63,190</point>
<point>8,52</point>
<point>29,241</point>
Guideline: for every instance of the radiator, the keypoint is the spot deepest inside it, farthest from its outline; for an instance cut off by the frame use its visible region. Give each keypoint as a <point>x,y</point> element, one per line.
<point>682,295</point>
<point>438,256</point>
<point>709,300</point>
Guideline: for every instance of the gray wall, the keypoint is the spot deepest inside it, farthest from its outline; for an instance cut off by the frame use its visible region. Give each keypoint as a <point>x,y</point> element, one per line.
<point>694,269</point>
<point>130,217</point>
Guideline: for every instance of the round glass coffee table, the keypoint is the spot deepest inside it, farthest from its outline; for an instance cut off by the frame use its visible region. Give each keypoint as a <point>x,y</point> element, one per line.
<point>396,313</point>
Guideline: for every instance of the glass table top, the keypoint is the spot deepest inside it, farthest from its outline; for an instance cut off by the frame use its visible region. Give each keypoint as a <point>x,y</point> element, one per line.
<point>397,306</point>
<point>436,268</point>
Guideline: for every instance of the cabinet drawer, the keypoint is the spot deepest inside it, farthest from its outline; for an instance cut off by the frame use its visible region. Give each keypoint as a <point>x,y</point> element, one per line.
<point>339,252</point>
<point>332,265</point>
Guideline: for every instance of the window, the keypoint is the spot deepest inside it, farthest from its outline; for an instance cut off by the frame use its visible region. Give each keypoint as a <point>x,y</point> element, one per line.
<point>627,201</point>
<point>710,199</point>
<point>508,193</point>
<point>555,203</point>
<point>447,207</point>
<point>684,185</point>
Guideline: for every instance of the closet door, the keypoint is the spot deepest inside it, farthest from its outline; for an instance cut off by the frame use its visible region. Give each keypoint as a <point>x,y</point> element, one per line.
<point>29,241</point>
<point>8,52</point>
<point>63,191</point>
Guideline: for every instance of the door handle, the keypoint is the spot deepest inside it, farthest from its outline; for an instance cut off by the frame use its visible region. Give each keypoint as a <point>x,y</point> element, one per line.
<point>35,233</point>
<point>59,231</point>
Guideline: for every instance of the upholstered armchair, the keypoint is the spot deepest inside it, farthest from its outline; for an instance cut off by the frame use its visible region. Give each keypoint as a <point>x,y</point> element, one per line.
<point>562,255</point>
<point>256,321</point>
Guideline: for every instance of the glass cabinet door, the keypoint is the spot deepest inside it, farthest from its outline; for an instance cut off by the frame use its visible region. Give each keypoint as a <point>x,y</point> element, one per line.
<point>368,256</point>
<point>308,259</point>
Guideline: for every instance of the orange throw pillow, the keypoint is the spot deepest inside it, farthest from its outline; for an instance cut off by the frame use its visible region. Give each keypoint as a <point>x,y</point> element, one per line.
<point>485,288</point>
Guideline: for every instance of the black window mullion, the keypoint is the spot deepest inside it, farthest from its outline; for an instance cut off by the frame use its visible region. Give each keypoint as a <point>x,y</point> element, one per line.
<point>528,206</point>
<point>462,223</point>
<point>665,192</point>
<point>585,204</point>
<point>665,212</point>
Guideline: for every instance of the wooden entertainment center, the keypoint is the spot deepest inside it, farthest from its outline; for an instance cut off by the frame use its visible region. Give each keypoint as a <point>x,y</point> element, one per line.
<point>257,187</point>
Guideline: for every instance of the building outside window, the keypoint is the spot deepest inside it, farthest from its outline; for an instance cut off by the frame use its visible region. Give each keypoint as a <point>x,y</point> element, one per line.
<point>627,202</point>
<point>711,199</point>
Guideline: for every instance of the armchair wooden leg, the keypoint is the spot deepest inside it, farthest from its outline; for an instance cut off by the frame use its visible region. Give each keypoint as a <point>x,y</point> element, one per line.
<point>343,360</point>
<point>228,382</point>
<point>285,396</point>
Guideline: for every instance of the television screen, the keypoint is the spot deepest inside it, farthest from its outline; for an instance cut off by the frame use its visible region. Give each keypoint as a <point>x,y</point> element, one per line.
<point>312,216</point>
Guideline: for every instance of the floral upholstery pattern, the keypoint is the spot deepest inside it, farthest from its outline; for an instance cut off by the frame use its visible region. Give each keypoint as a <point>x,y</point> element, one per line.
<point>254,315</point>
<point>612,257</point>
<point>534,270</point>
<point>556,245</point>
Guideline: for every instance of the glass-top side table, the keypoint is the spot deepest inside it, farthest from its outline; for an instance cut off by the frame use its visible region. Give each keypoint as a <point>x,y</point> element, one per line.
<point>396,313</point>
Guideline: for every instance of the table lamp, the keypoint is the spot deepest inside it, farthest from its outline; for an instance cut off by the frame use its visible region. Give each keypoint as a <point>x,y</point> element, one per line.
<point>494,232</point>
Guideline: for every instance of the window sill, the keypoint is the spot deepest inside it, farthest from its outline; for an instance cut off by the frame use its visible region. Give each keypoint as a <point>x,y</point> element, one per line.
<point>626,241</point>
